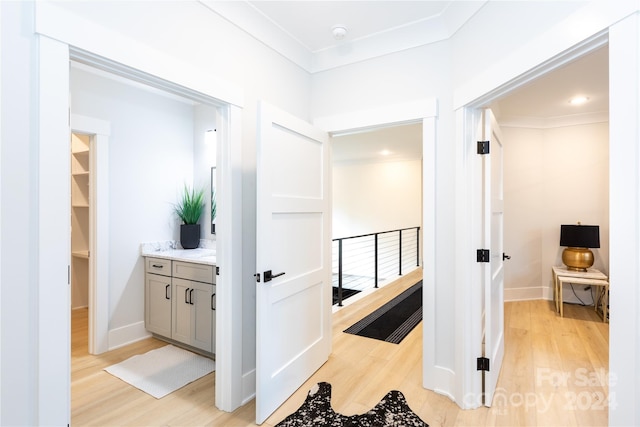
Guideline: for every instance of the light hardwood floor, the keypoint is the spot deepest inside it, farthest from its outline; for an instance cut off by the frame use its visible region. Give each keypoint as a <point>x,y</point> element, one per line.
<point>554,373</point>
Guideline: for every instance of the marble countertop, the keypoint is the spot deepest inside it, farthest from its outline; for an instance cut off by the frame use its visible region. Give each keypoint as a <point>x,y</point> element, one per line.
<point>172,250</point>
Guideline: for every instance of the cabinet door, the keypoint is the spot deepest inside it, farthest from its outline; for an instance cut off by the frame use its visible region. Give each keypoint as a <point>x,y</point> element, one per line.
<point>202,311</point>
<point>157,304</point>
<point>181,311</point>
<point>193,314</point>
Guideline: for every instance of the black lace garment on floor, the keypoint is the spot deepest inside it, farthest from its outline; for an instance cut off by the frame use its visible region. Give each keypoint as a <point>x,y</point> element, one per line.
<point>316,410</point>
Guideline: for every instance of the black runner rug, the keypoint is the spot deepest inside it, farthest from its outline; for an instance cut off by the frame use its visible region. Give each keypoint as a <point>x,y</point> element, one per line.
<point>393,321</point>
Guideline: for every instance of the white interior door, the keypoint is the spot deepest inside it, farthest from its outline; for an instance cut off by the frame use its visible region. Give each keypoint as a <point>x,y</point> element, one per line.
<point>493,271</point>
<point>293,235</point>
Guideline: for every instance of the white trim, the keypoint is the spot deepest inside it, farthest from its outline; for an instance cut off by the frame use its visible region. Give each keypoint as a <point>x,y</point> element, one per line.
<point>1,150</point>
<point>122,58</point>
<point>554,122</point>
<point>72,29</point>
<point>435,377</point>
<point>498,80</point>
<point>417,33</point>
<point>99,130</point>
<point>90,125</point>
<point>125,335</point>
<point>53,239</point>
<point>624,228</point>
<point>468,274</point>
<point>230,259</point>
<point>551,50</point>
<point>376,117</point>
<point>249,386</point>
<point>524,294</point>
<point>250,20</point>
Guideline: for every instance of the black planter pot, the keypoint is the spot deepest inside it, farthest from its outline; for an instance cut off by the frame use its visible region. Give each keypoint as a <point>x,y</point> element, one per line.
<point>190,236</point>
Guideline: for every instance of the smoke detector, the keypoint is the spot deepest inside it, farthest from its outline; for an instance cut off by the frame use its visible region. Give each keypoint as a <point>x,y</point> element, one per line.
<point>339,32</point>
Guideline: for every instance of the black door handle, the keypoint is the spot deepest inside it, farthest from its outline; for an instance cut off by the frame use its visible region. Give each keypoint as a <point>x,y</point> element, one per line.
<point>268,275</point>
<point>505,256</point>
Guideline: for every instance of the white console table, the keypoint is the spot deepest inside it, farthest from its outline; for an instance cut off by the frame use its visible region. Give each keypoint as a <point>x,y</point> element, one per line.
<point>591,277</point>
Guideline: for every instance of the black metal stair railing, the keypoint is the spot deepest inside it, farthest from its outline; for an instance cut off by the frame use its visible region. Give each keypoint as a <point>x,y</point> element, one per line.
<point>366,260</point>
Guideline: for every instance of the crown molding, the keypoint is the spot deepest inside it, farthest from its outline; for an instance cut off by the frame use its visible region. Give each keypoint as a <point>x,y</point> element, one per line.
<point>554,122</point>
<point>421,32</point>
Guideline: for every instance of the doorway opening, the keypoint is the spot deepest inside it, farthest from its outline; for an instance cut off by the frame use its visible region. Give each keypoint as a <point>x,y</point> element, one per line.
<point>81,208</point>
<point>376,209</point>
<point>89,226</point>
<point>548,235</point>
<point>205,110</point>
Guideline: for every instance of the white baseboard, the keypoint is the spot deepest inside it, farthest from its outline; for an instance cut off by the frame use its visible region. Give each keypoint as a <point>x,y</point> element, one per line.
<point>248,386</point>
<point>546,293</point>
<point>125,335</point>
<point>525,294</point>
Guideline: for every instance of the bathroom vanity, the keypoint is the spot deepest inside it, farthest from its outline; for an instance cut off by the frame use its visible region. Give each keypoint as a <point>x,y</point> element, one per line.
<point>180,296</point>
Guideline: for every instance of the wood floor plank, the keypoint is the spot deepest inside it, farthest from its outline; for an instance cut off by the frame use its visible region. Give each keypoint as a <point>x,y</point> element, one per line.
<point>542,381</point>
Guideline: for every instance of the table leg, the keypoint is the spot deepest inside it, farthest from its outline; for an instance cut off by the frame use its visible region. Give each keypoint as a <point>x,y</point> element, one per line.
<point>605,304</point>
<point>555,290</point>
<point>560,299</point>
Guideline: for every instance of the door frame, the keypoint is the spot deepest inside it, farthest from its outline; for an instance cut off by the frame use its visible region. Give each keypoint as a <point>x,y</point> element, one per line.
<point>57,46</point>
<point>99,131</point>
<point>426,112</point>
<point>469,230</point>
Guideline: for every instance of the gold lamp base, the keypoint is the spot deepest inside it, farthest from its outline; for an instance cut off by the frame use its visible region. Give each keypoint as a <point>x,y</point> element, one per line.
<point>577,259</point>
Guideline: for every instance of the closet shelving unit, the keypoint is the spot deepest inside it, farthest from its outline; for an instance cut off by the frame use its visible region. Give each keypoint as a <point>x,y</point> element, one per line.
<point>80,210</point>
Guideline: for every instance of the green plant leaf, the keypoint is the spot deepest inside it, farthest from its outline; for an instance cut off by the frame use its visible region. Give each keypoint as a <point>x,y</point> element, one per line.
<point>190,207</point>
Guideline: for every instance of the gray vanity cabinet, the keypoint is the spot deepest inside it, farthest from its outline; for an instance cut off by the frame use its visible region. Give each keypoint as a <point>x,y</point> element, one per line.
<point>157,291</point>
<point>184,311</point>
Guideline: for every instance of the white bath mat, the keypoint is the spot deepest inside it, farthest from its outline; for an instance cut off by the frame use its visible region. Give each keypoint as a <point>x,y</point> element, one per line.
<point>162,371</point>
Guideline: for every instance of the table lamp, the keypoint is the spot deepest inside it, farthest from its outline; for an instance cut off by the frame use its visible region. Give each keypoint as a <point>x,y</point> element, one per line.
<point>578,239</point>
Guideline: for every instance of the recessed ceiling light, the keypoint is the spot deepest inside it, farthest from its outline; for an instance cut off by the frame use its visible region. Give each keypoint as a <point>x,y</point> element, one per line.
<point>578,100</point>
<point>385,152</point>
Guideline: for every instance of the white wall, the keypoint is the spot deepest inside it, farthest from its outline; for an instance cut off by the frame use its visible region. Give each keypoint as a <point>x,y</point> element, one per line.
<point>19,226</point>
<point>374,197</point>
<point>552,177</point>
<point>500,28</point>
<point>501,42</point>
<point>151,152</point>
<point>419,73</point>
<point>192,34</point>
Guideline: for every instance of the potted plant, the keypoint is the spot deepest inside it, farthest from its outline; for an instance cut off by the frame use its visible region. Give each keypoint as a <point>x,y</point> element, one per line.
<point>189,211</point>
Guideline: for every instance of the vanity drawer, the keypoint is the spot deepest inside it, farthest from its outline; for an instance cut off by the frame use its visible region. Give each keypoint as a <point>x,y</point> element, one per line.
<point>158,266</point>
<point>193,271</point>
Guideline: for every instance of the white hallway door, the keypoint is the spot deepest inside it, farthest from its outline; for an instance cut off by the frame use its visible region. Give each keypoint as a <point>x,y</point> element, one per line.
<point>293,294</point>
<point>493,271</point>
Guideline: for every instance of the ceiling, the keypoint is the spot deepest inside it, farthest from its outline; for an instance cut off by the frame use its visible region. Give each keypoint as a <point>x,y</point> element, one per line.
<point>302,32</point>
<point>544,102</point>
<point>311,22</point>
<point>385,144</point>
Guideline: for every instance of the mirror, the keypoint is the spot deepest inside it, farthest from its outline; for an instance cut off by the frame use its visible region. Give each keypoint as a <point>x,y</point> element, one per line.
<point>213,200</point>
